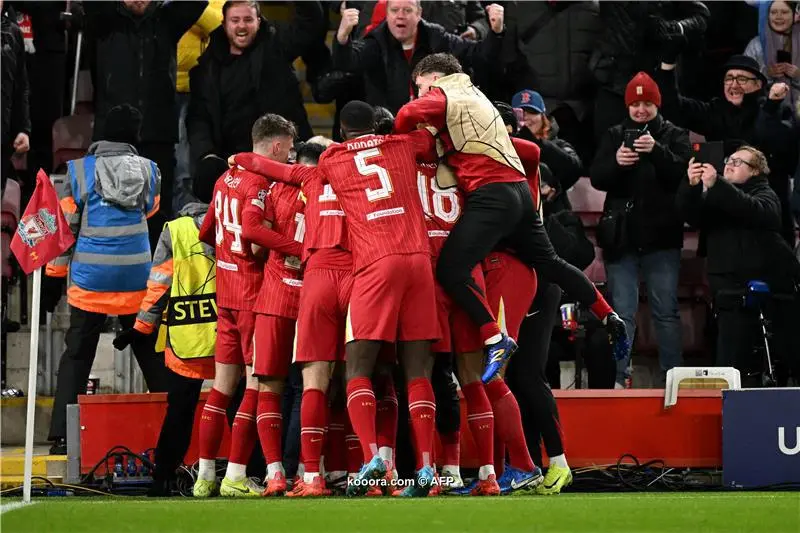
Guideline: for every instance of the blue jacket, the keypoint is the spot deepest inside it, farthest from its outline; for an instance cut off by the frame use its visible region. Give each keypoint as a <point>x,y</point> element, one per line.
<point>107,197</point>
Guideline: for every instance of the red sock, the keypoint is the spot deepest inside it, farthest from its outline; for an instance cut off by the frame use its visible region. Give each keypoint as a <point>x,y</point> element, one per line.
<point>481,421</point>
<point>509,424</point>
<point>270,426</point>
<point>489,330</point>
<point>335,447</point>
<point>355,456</point>
<point>386,414</point>
<point>212,424</point>
<point>361,407</point>
<point>451,448</point>
<point>313,411</point>
<point>243,432</point>
<point>600,307</point>
<point>499,454</point>
<point>422,408</point>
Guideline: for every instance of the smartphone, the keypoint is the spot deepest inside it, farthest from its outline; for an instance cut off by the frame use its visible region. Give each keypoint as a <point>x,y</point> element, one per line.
<point>783,56</point>
<point>629,136</point>
<point>712,153</point>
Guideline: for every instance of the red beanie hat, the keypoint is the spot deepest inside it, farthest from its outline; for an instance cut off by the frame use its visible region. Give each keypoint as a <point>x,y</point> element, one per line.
<point>642,88</point>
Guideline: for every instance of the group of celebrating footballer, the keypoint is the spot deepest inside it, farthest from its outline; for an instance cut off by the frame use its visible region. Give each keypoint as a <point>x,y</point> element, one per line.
<point>372,258</point>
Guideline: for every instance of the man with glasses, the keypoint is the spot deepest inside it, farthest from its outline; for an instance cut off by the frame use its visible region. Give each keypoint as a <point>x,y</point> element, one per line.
<point>747,114</point>
<point>739,215</point>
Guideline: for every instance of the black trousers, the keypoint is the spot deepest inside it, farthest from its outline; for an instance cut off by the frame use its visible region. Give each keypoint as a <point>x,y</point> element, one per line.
<point>502,214</point>
<point>526,375</point>
<point>740,339</point>
<point>183,394</point>
<point>76,363</point>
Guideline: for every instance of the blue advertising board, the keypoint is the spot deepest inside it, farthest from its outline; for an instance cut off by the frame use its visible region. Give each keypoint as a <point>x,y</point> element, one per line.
<point>760,437</point>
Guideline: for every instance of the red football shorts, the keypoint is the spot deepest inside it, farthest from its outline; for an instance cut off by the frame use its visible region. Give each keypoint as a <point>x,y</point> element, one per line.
<point>234,337</point>
<point>323,314</point>
<point>394,299</point>
<point>272,346</point>
<point>510,288</point>
<point>459,333</point>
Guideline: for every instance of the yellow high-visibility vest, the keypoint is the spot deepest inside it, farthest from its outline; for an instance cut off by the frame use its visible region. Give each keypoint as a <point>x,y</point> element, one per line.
<point>191,315</point>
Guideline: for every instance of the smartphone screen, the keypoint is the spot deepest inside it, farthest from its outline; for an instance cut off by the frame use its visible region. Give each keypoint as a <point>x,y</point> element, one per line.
<point>783,56</point>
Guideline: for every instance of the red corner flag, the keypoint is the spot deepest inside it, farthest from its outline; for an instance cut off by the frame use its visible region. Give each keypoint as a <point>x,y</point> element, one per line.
<point>43,233</point>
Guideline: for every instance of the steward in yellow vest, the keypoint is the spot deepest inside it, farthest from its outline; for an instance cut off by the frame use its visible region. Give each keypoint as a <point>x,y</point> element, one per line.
<point>181,294</point>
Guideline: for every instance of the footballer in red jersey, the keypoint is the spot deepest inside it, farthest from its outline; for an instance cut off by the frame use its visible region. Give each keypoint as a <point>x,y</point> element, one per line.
<point>393,297</point>
<point>238,224</point>
<point>499,206</point>
<point>327,283</point>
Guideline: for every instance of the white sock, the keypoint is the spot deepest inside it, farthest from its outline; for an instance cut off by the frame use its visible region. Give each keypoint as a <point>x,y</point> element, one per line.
<point>451,470</point>
<point>236,472</point>
<point>274,468</point>
<point>560,461</point>
<point>308,477</point>
<point>321,466</point>
<point>485,471</point>
<point>301,469</point>
<point>208,470</point>
<point>386,453</point>
<point>494,339</point>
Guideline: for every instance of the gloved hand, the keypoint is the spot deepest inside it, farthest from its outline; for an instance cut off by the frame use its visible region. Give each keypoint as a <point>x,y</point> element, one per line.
<point>671,48</point>
<point>52,289</point>
<point>665,29</point>
<point>126,338</point>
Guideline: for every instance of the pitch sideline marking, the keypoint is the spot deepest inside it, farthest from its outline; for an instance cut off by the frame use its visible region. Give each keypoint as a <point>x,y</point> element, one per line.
<point>6,507</point>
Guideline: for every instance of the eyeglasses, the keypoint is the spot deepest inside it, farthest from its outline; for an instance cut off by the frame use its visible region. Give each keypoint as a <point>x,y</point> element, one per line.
<point>736,162</point>
<point>741,80</point>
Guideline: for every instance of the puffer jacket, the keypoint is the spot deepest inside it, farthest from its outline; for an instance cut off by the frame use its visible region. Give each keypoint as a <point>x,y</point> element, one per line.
<point>194,42</point>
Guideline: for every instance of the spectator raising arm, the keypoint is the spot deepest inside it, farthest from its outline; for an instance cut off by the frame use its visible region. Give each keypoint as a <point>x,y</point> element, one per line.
<point>181,16</point>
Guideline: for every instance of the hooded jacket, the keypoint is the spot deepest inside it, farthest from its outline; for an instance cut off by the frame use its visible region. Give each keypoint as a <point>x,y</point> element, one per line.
<point>106,198</point>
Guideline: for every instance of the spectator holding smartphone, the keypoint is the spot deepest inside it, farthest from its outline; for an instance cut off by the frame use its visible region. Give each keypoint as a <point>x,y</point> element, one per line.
<point>738,215</point>
<point>777,47</point>
<point>640,164</point>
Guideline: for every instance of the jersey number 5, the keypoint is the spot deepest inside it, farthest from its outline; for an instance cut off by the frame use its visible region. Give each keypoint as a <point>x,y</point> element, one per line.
<point>229,210</point>
<point>365,169</point>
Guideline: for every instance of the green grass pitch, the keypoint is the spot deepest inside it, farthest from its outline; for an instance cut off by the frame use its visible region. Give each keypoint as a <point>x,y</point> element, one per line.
<point>567,513</point>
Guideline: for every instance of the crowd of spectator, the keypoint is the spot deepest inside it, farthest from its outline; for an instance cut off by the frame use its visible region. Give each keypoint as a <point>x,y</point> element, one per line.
<point>579,78</point>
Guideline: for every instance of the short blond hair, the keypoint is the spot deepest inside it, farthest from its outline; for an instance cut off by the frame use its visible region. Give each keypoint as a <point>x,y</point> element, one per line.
<point>758,159</point>
<point>321,139</point>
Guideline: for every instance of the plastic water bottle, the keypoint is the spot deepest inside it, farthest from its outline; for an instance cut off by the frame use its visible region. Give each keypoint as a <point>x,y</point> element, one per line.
<point>60,492</point>
<point>119,470</point>
<point>145,469</point>
<point>132,470</point>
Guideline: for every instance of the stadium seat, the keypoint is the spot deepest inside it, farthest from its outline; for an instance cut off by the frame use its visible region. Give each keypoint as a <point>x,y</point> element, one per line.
<point>586,201</point>
<point>71,138</point>
<point>699,378</point>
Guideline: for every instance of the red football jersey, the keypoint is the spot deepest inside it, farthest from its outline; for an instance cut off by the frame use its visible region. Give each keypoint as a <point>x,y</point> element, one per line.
<point>442,207</point>
<point>283,274</point>
<point>375,180</point>
<point>239,272</point>
<point>325,220</point>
